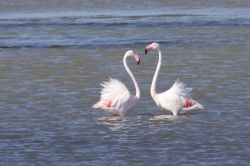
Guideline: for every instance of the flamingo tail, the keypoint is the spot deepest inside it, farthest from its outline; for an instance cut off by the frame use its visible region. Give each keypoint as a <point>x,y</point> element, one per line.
<point>97,105</point>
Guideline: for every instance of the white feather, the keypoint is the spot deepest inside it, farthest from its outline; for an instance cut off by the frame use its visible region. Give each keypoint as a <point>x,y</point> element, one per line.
<point>180,88</point>
<point>116,91</point>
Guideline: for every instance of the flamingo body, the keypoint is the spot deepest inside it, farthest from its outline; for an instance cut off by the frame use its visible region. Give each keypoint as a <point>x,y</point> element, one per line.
<point>177,99</point>
<point>115,98</point>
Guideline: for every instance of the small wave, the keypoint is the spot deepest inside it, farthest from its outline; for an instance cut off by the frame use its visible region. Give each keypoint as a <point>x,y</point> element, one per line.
<point>161,17</point>
<point>139,23</point>
<point>78,43</point>
<point>101,14</point>
<point>159,12</point>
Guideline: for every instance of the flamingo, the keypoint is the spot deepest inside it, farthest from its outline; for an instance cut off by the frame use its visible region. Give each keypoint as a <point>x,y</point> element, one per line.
<point>176,99</point>
<point>115,96</point>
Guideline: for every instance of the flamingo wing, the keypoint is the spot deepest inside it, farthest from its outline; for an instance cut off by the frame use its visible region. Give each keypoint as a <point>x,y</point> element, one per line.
<point>115,92</point>
<point>189,104</point>
<point>180,89</point>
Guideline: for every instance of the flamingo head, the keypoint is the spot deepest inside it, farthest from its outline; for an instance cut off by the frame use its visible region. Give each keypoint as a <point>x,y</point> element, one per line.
<point>152,46</point>
<point>132,53</point>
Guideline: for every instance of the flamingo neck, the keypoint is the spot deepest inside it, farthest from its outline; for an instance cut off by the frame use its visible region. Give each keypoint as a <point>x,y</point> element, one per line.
<point>153,85</point>
<point>137,94</point>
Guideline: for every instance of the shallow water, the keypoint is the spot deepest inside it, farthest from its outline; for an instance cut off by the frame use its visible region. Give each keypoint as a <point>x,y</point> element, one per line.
<point>53,61</point>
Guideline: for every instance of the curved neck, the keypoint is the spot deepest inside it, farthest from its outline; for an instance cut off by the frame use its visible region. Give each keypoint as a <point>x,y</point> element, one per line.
<point>137,94</point>
<point>153,85</point>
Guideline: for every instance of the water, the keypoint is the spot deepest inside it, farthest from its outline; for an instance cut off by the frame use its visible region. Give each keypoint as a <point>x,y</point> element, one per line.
<point>55,54</point>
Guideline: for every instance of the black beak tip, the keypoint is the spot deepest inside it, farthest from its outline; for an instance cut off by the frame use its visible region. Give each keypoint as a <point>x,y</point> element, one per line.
<point>146,51</point>
<point>138,62</point>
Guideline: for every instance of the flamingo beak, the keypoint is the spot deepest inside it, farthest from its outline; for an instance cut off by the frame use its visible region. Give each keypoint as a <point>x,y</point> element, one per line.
<point>146,51</point>
<point>136,57</point>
